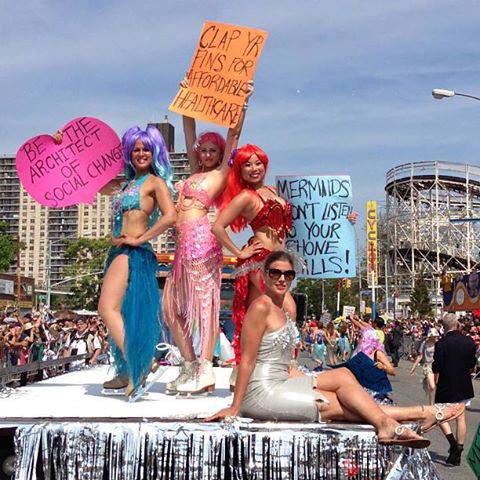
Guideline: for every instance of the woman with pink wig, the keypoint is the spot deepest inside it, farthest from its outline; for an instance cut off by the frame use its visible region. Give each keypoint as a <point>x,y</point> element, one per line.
<point>191,298</point>
<point>370,364</point>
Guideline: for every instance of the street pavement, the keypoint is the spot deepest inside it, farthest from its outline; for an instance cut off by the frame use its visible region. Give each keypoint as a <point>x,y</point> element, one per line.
<point>408,390</point>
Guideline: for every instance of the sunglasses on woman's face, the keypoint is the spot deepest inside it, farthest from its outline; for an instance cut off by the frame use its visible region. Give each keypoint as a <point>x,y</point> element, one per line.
<point>275,274</point>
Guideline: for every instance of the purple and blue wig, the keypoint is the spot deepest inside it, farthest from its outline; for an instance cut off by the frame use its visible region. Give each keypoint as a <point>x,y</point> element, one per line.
<point>153,141</point>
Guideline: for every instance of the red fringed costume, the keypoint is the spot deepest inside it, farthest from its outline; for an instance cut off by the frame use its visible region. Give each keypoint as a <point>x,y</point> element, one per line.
<point>278,217</point>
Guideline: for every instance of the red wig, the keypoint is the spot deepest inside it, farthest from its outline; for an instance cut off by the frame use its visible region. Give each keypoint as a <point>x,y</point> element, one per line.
<point>235,183</point>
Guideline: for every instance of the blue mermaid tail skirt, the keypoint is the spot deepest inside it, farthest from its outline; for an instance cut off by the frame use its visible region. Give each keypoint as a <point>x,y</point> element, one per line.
<point>141,312</point>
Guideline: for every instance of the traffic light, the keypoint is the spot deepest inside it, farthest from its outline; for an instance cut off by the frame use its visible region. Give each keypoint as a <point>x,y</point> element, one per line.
<point>348,283</point>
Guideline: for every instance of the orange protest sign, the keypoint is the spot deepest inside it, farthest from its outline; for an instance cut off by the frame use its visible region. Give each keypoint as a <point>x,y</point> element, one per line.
<point>224,61</point>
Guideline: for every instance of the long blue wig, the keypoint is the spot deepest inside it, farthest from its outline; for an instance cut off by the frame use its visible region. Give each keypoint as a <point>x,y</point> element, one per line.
<point>153,141</point>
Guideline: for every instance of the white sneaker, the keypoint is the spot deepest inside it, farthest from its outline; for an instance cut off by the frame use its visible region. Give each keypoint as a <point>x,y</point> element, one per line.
<point>203,382</point>
<point>187,373</point>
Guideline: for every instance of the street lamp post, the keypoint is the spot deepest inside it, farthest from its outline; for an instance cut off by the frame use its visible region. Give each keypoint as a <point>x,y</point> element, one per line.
<point>49,264</point>
<point>441,93</point>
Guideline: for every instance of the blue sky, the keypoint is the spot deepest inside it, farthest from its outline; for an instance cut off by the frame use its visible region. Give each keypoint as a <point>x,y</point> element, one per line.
<point>342,87</point>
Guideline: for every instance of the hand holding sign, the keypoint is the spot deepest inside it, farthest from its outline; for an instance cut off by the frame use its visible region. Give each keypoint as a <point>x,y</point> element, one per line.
<point>62,174</point>
<point>222,66</point>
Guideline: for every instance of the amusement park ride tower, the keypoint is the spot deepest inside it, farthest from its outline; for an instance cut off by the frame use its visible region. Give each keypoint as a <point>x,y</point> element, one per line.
<point>429,211</point>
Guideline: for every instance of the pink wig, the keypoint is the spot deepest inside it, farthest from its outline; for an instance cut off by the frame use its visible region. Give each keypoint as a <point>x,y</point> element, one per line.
<point>369,342</point>
<point>213,137</point>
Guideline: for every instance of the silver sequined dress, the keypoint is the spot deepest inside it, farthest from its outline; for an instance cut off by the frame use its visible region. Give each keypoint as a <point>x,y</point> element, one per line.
<point>271,394</point>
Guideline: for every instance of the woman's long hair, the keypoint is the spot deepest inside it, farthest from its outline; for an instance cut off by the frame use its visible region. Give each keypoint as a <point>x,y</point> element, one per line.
<point>235,183</point>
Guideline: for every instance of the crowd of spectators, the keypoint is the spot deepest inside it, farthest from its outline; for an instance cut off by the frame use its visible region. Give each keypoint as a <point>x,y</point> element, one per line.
<point>333,343</point>
<point>372,349</point>
<point>328,343</point>
<point>40,335</point>
<point>45,335</point>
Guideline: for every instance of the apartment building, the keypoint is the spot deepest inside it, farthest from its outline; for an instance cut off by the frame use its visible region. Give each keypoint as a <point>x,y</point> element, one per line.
<point>39,227</point>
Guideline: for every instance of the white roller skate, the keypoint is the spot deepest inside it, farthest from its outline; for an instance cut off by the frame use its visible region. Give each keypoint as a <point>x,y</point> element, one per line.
<point>202,383</point>
<point>187,373</point>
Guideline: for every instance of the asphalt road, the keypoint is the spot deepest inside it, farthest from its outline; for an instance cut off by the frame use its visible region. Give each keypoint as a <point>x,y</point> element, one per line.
<point>408,390</point>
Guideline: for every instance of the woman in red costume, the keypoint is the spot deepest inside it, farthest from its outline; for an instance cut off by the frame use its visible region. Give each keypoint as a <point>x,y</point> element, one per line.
<point>247,201</point>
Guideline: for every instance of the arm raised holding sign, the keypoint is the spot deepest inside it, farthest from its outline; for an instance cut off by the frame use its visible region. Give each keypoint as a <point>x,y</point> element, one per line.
<point>130,298</point>
<point>191,298</point>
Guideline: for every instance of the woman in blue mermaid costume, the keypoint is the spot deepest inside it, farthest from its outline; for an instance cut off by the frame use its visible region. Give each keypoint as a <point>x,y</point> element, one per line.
<point>130,299</point>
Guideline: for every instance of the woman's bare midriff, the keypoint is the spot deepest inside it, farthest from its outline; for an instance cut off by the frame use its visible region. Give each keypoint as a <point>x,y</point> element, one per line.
<point>269,240</point>
<point>190,209</point>
<point>135,223</point>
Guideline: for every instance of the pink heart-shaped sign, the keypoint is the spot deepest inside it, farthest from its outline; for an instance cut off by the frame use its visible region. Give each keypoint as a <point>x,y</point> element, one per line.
<point>72,172</point>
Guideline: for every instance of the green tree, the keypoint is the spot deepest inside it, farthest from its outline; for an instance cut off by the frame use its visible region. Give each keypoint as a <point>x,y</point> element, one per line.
<point>8,248</point>
<point>313,289</point>
<point>420,298</point>
<point>87,256</point>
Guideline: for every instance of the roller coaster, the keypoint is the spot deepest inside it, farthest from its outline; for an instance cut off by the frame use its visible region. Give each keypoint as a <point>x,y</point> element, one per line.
<point>432,221</point>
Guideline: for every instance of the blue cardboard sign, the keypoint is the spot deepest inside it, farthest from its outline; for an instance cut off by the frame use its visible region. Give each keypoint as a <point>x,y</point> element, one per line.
<point>321,232</point>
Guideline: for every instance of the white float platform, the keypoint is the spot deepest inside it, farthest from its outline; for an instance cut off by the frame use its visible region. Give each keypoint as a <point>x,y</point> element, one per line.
<point>77,396</point>
<point>162,436</point>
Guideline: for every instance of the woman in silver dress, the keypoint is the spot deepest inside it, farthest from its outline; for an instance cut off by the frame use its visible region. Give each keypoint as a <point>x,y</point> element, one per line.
<point>268,388</point>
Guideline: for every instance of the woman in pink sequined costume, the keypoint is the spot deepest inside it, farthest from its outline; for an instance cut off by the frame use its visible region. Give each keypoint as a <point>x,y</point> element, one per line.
<point>191,298</point>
